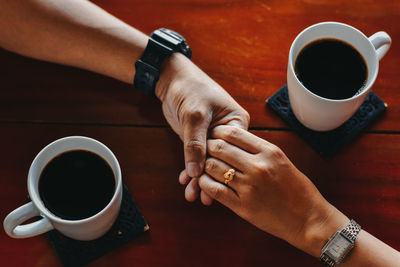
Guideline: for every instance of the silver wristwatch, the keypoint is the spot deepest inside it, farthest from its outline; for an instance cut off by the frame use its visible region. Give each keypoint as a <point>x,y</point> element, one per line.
<point>340,244</point>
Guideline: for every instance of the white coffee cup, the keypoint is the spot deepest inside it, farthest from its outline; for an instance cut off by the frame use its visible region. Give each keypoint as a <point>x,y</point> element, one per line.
<point>85,229</point>
<point>323,114</point>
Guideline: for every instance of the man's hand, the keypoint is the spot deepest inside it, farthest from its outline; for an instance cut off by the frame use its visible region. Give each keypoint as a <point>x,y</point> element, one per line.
<point>80,34</point>
<point>192,104</point>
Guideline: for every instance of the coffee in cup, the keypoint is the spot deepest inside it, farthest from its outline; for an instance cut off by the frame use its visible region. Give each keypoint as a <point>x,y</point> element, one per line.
<point>75,186</point>
<point>331,69</point>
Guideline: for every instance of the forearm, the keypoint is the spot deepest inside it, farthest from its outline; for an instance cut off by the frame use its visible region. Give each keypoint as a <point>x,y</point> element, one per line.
<point>368,250</point>
<point>71,32</point>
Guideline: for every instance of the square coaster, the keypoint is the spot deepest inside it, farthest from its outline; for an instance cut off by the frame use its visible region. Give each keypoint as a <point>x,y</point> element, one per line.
<point>328,143</point>
<point>129,224</point>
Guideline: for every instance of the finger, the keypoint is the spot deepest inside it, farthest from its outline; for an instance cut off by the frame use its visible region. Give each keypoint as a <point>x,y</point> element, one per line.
<point>239,124</point>
<point>218,191</point>
<point>239,137</point>
<point>231,154</point>
<point>217,168</point>
<point>184,177</point>
<point>192,190</point>
<point>239,117</point>
<point>194,139</point>
<point>205,199</point>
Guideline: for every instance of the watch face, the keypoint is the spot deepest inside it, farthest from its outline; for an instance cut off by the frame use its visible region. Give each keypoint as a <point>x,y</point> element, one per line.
<point>173,41</point>
<point>338,247</point>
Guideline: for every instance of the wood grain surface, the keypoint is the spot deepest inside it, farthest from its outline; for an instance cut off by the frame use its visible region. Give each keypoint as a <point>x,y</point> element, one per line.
<point>361,182</point>
<point>243,45</point>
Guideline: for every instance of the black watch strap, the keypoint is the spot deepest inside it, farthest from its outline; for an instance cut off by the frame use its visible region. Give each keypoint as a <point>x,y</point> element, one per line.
<point>162,43</point>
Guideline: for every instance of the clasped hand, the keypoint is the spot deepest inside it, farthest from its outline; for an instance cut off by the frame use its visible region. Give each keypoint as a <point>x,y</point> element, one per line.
<point>267,189</point>
<point>193,103</point>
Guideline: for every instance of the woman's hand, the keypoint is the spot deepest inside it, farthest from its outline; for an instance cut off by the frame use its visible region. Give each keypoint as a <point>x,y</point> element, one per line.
<point>192,104</point>
<point>268,190</point>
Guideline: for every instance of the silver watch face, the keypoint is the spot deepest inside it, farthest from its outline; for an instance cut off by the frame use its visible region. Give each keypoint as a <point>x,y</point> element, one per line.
<point>338,247</point>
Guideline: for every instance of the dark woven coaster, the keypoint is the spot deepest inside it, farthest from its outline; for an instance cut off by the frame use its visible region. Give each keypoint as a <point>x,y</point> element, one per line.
<point>328,143</point>
<point>129,224</point>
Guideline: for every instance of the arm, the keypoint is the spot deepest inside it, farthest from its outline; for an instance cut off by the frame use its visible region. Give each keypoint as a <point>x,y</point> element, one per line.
<point>79,33</point>
<point>272,194</point>
<point>73,32</point>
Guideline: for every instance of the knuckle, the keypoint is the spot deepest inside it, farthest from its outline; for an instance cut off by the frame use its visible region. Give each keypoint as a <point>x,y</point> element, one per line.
<point>264,147</point>
<point>195,115</point>
<point>210,165</point>
<point>251,189</point>
<point>275,152</point>
<point>231,133</point>
<point>216,146</point>
<point>248,191</point>
<point>246,116</point>
<point>195,146</point>
<point>262,168</point>
<point>216,192</point>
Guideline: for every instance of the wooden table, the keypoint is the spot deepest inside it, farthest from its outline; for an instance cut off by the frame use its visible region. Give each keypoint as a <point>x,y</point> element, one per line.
<point>244,46</point>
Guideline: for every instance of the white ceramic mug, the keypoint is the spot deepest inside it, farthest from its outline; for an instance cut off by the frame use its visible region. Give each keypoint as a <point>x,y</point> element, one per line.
<point>85,229</point>
<point>319,113</point>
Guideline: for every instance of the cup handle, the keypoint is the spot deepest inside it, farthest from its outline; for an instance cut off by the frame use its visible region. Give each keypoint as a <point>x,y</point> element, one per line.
<point>15,218</point>
<point>381,42</point>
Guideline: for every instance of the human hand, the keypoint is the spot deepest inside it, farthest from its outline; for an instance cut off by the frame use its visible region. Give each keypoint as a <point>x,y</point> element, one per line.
<point>192,104</point>
<point>268,190</point>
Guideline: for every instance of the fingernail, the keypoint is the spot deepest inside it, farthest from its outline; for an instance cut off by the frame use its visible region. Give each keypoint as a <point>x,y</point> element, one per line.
<point>193,169</point>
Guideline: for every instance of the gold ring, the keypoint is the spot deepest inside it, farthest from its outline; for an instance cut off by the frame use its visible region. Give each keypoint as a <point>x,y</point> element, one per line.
<point>229,175</point>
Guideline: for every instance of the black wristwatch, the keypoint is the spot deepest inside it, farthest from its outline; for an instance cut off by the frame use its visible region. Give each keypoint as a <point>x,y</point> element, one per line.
<point>162,43</point>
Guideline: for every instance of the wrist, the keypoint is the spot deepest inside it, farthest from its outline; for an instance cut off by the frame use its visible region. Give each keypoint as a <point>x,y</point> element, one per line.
<point>319,227</point>
<point>169,71</point>
<point>161,46</point>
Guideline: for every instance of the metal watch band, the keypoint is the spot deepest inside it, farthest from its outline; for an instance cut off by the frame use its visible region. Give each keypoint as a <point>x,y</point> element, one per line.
<point>326,260</point>
<point>162,43</point>
<point>350,232</point>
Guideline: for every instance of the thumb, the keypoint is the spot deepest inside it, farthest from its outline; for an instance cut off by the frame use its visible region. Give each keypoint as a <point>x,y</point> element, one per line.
<point>241,120</point>
<point>194,139</point>
<point>238,124</point>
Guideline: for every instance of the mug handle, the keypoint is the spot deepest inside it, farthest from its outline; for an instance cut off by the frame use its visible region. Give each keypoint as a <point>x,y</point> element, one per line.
<point>15,218</point>
<point>381,42</point>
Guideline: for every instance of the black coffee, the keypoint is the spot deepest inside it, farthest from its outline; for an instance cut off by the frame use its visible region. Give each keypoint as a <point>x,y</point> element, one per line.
<point>76,184</point>
<point>331,68</point>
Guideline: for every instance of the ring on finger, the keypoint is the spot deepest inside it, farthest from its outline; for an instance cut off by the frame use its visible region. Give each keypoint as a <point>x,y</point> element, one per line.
<point>229,175</point>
